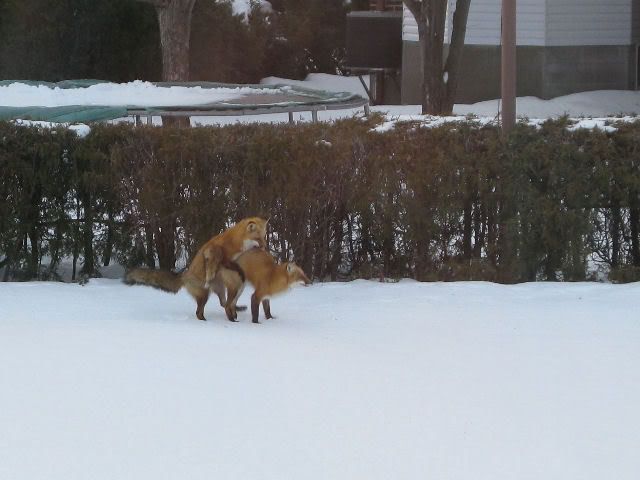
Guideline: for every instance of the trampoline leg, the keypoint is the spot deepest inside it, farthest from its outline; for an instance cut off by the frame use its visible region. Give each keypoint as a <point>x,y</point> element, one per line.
<point>291,117</point>
<point>314,115</point>
<point>137,120</point>
<point>149,120</point>
<point>367,110</point>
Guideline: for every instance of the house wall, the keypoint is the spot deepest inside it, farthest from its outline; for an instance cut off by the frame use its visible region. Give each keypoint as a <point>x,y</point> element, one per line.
<point>483,23</point>
<point>564,46</point>
<point>588,22</point>
<point>635,21</point>
<point>548,22</point>
<point>479,75</point>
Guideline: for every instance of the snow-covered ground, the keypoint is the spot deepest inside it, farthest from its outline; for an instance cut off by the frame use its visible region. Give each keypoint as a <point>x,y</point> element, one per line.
<point>357,380</point>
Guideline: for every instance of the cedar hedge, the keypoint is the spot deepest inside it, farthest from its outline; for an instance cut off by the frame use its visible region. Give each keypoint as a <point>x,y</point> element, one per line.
<point>456,202</point>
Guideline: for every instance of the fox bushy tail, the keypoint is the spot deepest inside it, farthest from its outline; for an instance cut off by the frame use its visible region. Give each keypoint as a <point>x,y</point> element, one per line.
<point>162,279</point>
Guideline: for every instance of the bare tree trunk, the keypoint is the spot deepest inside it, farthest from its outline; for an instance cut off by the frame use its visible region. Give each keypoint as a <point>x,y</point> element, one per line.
<point>439,80</point>
<point>174,21</point>
<point>431,34</point>
<point>175,30</point>
<point>452,67</point>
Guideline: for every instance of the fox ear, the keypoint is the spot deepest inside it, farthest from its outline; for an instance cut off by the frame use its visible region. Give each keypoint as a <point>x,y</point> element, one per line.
<point>291,267</point>
<point>252,227</point>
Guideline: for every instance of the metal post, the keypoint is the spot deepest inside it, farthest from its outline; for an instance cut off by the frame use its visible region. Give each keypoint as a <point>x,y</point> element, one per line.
<point>149,120</point>
<point>508,65</point>
<point>314,115</point>
<point>366,89</point>
<point>291,117</point>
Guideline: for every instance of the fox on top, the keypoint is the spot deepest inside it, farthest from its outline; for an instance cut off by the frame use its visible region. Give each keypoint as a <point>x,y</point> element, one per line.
<point>223,265</point>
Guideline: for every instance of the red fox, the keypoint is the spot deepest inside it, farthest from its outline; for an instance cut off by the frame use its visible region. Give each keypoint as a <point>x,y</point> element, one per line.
<point>267,277</point>
<point>212,268</point>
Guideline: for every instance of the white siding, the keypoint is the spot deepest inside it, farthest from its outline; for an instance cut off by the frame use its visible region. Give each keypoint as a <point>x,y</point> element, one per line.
<point>483,24</point>
<point>409,26</point>
<point>588,22</point>
<point>546,22</point>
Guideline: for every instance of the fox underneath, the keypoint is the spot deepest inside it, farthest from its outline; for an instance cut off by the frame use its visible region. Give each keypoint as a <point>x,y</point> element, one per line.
<point>212,267</point>
<point>267,277</point>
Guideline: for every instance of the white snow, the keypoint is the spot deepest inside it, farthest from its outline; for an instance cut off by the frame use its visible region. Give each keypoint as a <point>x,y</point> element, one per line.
<point>600,103</point>
<point>243,7</point>
<point>428,121</point>
<point>620,104</point>
<point>138,93</point>
<point>357,380</point>
<point>81,129</point>
<point>323,81</point>
<point>589,109</point>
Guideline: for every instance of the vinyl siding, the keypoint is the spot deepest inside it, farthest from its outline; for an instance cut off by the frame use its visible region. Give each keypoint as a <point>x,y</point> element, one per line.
<point>588,22</point>
<point>548,22</point>
<point>483,24</point>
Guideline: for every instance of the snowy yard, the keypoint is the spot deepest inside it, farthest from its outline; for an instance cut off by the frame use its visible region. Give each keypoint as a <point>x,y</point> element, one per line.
<point>357,380</point>
<point>589,109</point>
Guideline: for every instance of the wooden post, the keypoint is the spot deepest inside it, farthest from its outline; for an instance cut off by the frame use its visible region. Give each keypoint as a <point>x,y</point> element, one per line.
<point>508,65</point>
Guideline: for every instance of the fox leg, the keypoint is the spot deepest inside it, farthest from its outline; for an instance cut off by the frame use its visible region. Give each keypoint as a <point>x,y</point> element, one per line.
<point>230,307</point>
<point>200,295</point>
<point>217,287</point>
<point>201,300</point>
<point>266,306</point>
<point>234,292</point>
<point>255,308</point>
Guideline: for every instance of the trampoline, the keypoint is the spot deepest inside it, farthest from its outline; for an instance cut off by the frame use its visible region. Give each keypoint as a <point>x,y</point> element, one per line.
<point>71,101</point>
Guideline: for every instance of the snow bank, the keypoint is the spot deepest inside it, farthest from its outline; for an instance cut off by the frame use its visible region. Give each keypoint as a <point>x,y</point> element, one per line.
<point>350,381</point>
<point>601,103</point>
<point>138,93</point>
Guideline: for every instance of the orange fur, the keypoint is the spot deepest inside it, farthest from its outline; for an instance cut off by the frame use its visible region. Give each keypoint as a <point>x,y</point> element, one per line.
<point>212,267</point>
<point>267,277</point>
